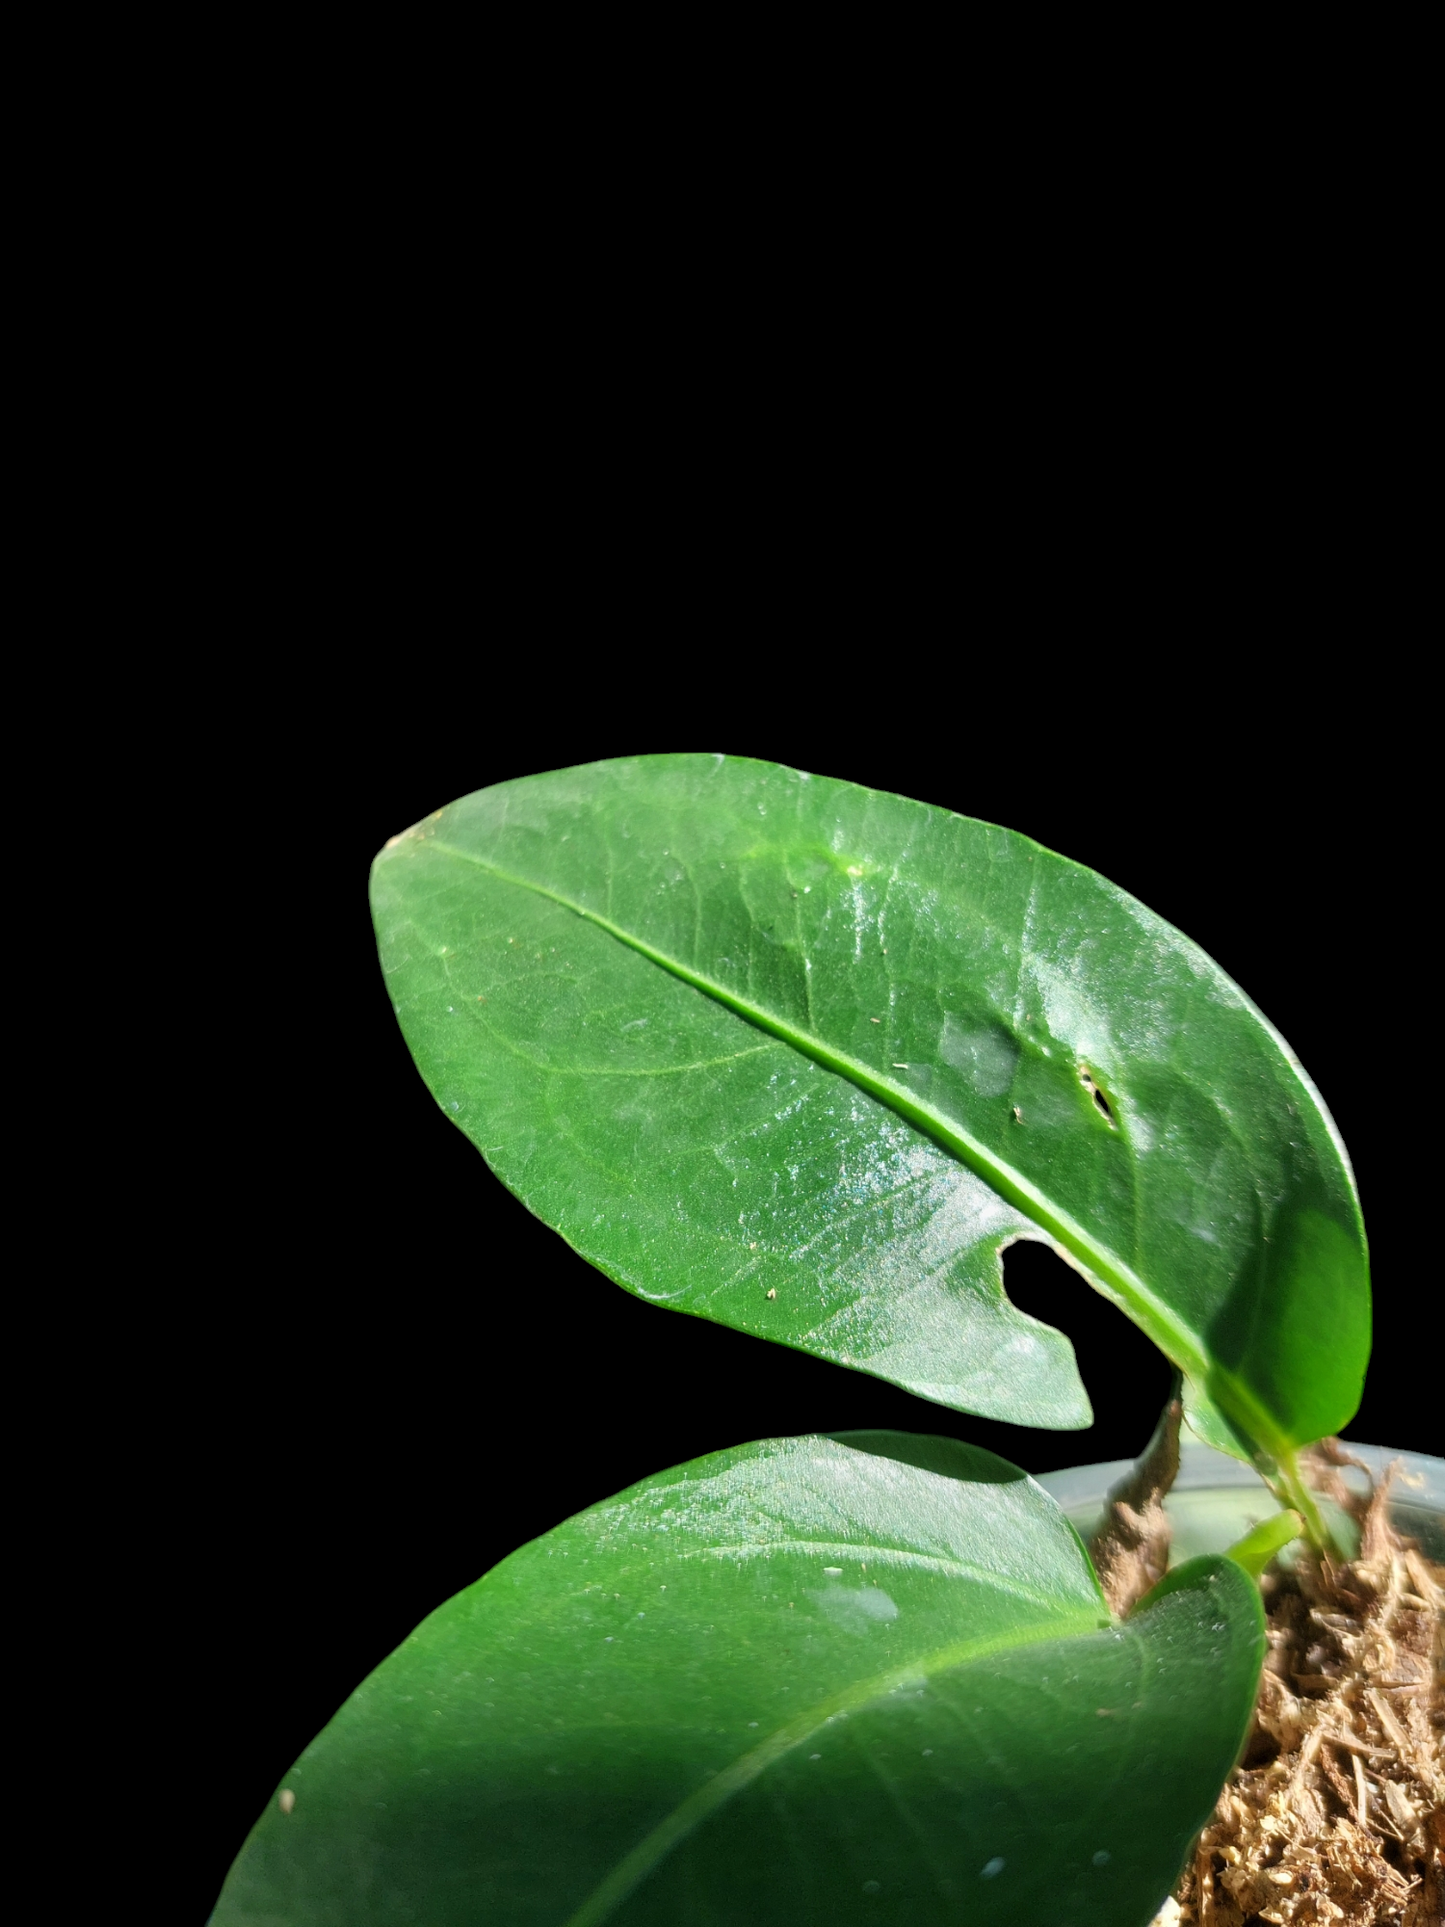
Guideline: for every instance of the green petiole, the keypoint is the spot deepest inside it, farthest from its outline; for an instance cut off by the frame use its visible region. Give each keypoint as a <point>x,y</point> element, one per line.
<point>1255,1550</point>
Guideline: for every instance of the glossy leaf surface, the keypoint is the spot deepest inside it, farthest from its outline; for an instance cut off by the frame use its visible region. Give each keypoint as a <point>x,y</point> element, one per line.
<point>808,1680</point>
<point>803,1057</point>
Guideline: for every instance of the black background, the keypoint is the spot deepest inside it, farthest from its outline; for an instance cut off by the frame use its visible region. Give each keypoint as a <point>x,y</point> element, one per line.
<point>390,1374</point>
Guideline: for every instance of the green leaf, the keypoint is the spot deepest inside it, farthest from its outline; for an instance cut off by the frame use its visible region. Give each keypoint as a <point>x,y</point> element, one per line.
<point>803,1057</point>
<point>865,1680</point>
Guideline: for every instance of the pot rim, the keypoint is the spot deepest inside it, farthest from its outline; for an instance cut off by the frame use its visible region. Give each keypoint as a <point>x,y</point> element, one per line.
<point>1419,1484</point>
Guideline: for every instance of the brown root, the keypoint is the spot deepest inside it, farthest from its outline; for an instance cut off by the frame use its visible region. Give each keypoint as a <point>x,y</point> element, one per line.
<point>1130,1551</point>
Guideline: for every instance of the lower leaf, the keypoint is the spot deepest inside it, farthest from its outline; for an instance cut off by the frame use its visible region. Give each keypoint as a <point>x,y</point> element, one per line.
<point>858,1680</point>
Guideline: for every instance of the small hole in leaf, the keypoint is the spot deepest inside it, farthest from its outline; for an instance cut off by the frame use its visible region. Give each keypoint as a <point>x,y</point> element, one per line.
<point>1101,1103</point>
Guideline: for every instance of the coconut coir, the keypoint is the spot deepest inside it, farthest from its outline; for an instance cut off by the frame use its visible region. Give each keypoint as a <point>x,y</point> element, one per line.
<point>1336,1814</point>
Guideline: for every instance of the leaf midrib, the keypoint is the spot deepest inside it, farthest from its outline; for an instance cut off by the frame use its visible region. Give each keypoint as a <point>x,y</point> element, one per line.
<point>1107,1270</point>
<point>614,1888</point>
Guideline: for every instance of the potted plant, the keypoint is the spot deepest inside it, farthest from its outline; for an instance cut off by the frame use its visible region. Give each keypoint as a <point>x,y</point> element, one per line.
<point>805,1059</point>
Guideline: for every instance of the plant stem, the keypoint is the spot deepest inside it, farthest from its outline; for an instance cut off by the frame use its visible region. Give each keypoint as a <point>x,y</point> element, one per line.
<point>1275,1461</point>
<point>1290,1489</point>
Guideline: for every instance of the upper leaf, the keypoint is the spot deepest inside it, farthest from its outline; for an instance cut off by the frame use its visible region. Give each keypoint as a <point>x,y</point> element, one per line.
<point>736,1031</point>
<point>861,1681</point>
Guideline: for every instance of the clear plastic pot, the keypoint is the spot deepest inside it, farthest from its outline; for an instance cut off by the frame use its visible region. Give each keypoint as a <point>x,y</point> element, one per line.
<point>1216,1500</point>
